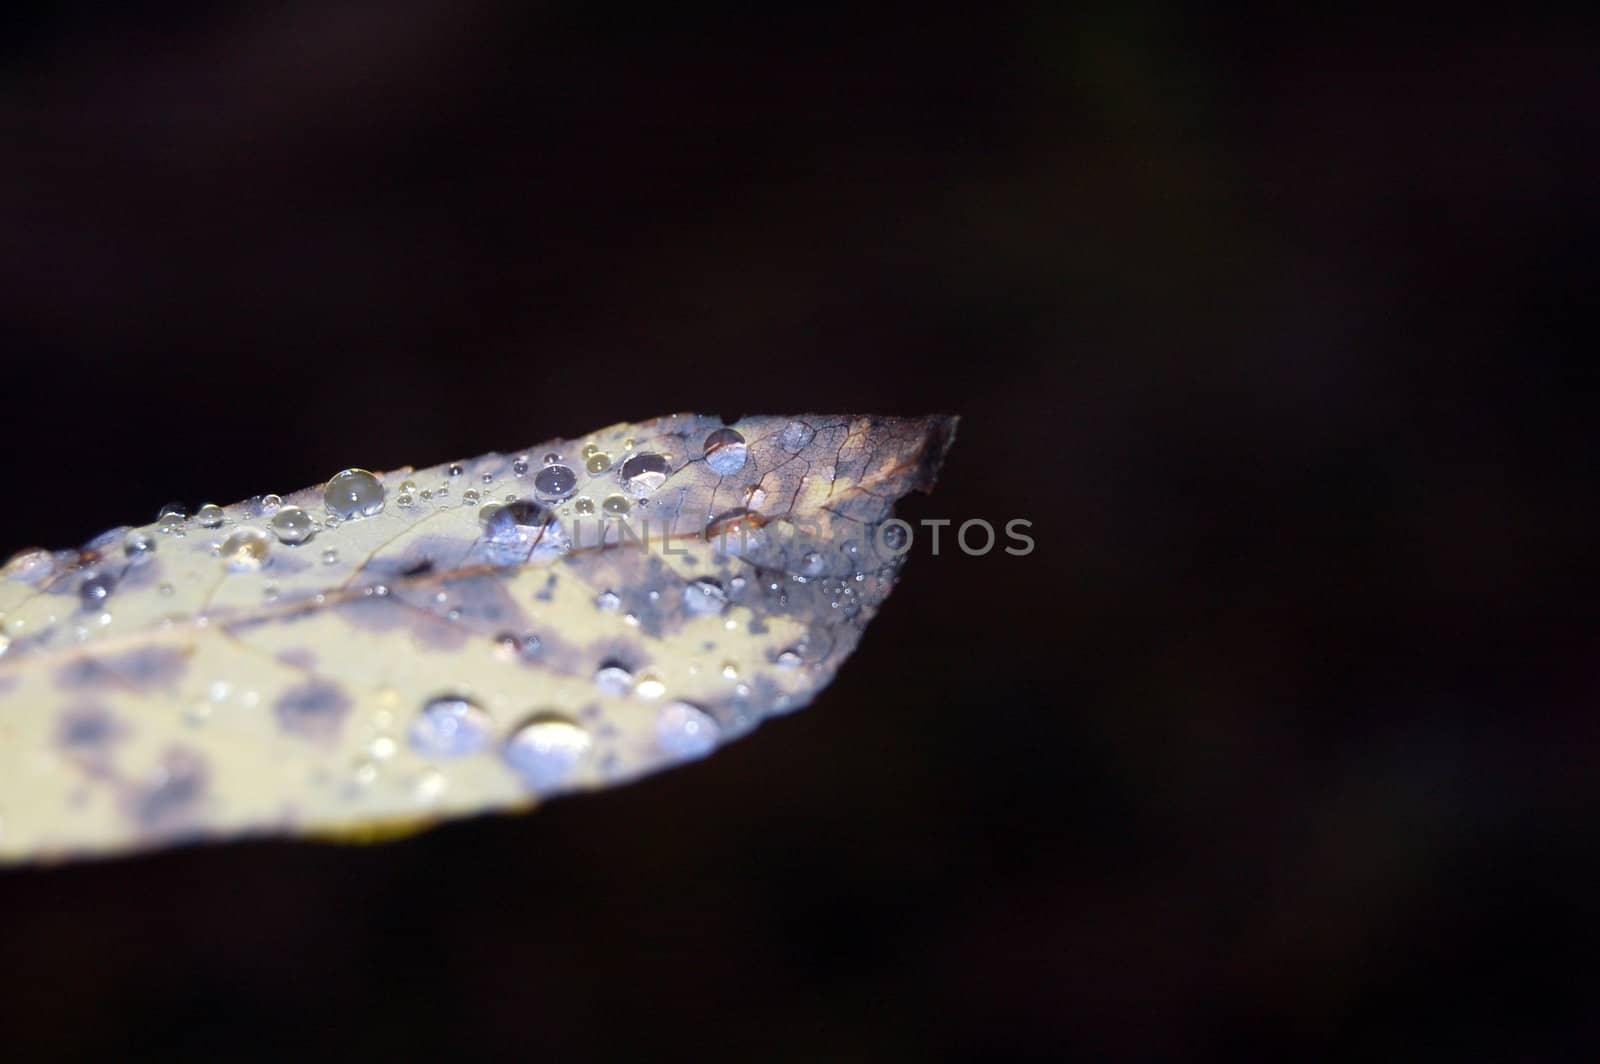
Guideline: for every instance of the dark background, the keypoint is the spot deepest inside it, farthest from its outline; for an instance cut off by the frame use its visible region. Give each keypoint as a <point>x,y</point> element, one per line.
<point>1285,736</point>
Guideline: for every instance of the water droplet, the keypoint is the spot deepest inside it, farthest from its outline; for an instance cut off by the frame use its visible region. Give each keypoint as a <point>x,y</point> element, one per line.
<point>520,467</point>
<point>613,678</point>
<point>330,557</point>
<point>353,493</point>
<point>730,670</point>
<point>209,516</point>
<point>96,588</point>
<point>644,473</point>
<point>725,452</point>
<point>178,508</point>
<point>469,497</point>
<point>555,481</point>
<point>812,563</point>
<point>138,545</point>
<point>584,506</point>
<point>383,748</point>
<point>487,478</point>
<point>609,601</point>
<point>455,469</point>
<point>514,521</point>
<point>796,436</point>
<point>590,448</point>
<point>615,504</point>
<point>551,458</point>
<point>404,500</point>
<point>450,726</point>
<point>546,749</point>
<point>171,524</point>
<point>789,659</point>
<point>649,687</point>
<point>408,485</point>
<point>30,566</point>
<point>686,731</point>
<point>704,597</point>
<point>292,525</point>
<point>597,464</point>
<point>507,647</point>
<point>246,550</point>
<point>269,503</point>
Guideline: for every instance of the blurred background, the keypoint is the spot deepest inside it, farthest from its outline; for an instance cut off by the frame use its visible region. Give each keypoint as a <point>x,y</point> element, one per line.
<point>1284,736</point>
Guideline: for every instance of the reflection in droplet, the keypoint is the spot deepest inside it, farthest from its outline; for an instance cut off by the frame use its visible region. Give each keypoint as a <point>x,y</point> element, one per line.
<point>450,726</point>
<point>725,452</point>
<point>546,749</point>
<point>555,482</point>
<point>644,473</point>
<point>246,550</point>
<point>685,731</point>
<point>292,525</point>
<point>353,493</point>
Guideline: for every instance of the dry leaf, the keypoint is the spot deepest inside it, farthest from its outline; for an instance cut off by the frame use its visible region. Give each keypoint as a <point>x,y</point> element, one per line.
<point>385,651</point>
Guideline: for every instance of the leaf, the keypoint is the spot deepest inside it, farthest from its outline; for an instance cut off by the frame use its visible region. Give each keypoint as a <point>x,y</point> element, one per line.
<point>381,652</point>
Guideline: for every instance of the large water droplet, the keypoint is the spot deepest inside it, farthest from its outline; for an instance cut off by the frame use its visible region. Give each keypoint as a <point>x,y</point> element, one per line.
<point>246,550</point>
<point>614,678</point>
<point>292,525</point>
<point>353,493</point>
<point>209,516</point>
<point>644,473</point>
<point>796,435</point>
<point>725,452</point>
<point>450,726</point>
<point>546,749</point>
<point>513,522</point>
<point>705,597</point>
<point>555,482</point>
<point>684,731</point>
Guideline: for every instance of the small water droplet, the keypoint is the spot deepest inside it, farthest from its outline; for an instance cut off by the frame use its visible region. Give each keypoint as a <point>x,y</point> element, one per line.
<point>383,748</point>
<point>246,550</point>
<point>812,563</point>
<point>455,469</point>
<point>520,467</point>
<point>270,503</point>
<point>408,485</point>
<point>609,601</point>
<point>513,522</point>
<point>96,588</point>
<point>615,504</point>
<point>450,726</point>
<point>686,731</point>
<point>138,545</point>
<point>551,458</point>
<point>584,506</point>
<point>796,435</point>
<point>171,524</point>
<point>181,509</point>
<point>597,464</point>
<point>487,478</point>
<point>209,516</point>
<point>330,557</point>
<point>353,493</point>
<point>725,452</point>
<point>404,500</point>
<point>546,749</point>
<point>469,497</point>
<point>555,482</point>
<point>590,448</point>
<point>789,659</point>
<point>644,473</point>
<point>167,590</point>
<point>649,687</point>
<point>730,671</point>
<point>292,525</point>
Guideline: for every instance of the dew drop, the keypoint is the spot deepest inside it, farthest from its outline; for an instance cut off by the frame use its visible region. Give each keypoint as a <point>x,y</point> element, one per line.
<point>590,448</point>
<point>608,601</point>
<point>615,504</point>
<point>408,485</point>
<point>30,566</point>
<point>171,524</point>
<point>546,749</point>
<point>725,452</point>
<point>209,516</point>
<point>246,550</point>
<point>292,525</point>
<point>796,436</point>
<point>555,481</point>
<point>812,563</point>
<point>455,469</point>
<point>403,500</point>
<point>520,467</point>
<point>353,493</point>
<point>686,731</point>
<point>649,687</point>
<point>450,726</point>
<point>270,503</point>
<point>597,464</point>
<point>584,506</point>
<point>178,508</point>
<point>469,497</point>
<point>330,557</point>
<point>644,473</point>
<point>514,521</point>
<point>487,478</point>
<point>730,670</point>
